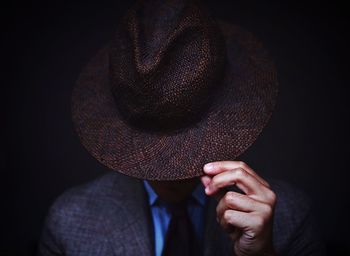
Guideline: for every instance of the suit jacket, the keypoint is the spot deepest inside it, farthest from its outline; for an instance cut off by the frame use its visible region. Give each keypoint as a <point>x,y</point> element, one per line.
<point>110,216</point>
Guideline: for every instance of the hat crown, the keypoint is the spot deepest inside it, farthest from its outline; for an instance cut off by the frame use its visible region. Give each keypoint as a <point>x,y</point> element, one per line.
<point>165,60</point>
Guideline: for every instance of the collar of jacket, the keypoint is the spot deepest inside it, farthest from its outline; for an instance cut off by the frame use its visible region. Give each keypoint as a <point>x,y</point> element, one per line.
<point>128,223</point>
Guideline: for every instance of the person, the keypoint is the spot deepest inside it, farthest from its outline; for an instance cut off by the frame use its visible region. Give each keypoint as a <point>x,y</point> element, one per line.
<point>166,105</point>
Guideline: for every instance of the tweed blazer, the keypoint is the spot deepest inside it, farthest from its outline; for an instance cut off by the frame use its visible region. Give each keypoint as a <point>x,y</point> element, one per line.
<point>110,216</point>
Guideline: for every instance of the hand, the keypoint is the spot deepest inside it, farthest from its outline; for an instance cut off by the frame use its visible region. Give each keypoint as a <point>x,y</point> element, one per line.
<point>246,217</point>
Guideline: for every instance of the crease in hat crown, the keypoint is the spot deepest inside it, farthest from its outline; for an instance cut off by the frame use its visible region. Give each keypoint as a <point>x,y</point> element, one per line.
<point>166,60</point>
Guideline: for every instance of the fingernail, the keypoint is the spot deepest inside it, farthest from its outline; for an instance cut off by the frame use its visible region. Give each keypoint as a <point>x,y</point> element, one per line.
<point>208,167</point>
<point>207,189</point>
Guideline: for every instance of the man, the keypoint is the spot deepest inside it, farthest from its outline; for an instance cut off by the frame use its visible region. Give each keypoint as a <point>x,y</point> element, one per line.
<point>174,95</point>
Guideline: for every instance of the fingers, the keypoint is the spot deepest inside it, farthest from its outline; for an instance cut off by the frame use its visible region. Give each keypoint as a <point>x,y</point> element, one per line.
<point>239,177</point>
<point>205,180</point>
<point>250,224</point>
<point>219,175</point>
<point>233,218</point>
<point>243,203</point>
<point>247,217</point>
<point>239,214</point>
<point>218,167</point>
<point>240,202</point>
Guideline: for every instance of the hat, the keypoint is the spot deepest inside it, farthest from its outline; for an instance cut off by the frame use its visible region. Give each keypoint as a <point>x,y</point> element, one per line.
<point>173,90</point>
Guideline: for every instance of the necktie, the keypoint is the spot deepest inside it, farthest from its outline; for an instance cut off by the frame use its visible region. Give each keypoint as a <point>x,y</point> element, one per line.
<point>180,235</point>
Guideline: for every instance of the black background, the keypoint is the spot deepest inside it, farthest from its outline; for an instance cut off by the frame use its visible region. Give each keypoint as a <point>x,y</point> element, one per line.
<point>46,44</point>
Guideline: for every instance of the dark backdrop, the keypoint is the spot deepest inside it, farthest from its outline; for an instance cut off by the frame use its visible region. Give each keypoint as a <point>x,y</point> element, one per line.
<point>46,44</point>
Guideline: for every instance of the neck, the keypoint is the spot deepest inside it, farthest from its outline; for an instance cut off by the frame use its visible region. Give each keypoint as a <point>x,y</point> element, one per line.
<point>174,191</point>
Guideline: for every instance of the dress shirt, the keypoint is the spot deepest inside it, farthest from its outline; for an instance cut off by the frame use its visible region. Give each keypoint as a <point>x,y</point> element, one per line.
<point>161,215</point>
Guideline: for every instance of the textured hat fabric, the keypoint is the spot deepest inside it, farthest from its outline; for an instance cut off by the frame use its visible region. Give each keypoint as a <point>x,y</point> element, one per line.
<point>173,92</point>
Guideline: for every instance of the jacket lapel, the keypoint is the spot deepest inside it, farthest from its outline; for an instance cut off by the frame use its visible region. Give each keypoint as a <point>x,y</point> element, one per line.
<point>216,241</point>
<point>127,221</point>
<point>128,224</point>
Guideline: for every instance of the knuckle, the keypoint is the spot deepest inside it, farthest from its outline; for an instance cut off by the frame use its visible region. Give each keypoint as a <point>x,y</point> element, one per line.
<point>242,164</point>
<point>229,198</point>
<point>240,173</point>
<point>271,196</point>
<point>226,217</point>
<point>268,209</point>
<point>251,235</point>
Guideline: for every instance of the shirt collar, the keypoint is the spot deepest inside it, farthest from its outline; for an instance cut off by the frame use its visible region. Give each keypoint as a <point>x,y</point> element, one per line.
<point>152,196</point>
<point>198,194</point>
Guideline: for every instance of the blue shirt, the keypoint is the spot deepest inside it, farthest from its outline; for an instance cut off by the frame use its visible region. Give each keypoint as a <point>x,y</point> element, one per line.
<point>161,216</point>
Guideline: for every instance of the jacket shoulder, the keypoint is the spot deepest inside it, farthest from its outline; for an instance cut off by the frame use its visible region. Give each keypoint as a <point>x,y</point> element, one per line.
<point>90,201</point>
<point>78,215</point>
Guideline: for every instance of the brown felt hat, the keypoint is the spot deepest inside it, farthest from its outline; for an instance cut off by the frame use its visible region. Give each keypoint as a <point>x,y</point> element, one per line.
<point>173,91</point>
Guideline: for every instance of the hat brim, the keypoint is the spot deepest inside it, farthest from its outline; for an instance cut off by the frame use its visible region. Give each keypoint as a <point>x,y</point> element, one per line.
<point>236,117</point>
